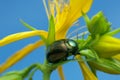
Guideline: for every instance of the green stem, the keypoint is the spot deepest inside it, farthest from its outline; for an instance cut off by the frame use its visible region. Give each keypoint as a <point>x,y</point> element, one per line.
<point>46,75</point>
<point>94,40</point>
<point>32,73</point>
<point>85,43</point>
<point>46,69</point>
<point>26,71</point>
<point>45,62</point>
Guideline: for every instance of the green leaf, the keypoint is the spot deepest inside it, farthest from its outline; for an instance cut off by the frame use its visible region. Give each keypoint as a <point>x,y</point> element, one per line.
<point>27,25</point>
<point>51,31</point>
<point>32,28</point>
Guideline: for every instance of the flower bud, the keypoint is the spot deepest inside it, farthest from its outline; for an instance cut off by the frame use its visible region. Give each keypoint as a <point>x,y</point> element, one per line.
<point>107,46</point>
<point>98,24</point>
<point>110,66</point>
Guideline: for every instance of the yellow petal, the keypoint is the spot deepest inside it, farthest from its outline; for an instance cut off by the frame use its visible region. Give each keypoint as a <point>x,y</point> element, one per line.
<point>61,74</point>
<point>21,35</point>
<point>77,6</point>
<point>19,55</point>
<point>88,75</point>
<point>70,14</point>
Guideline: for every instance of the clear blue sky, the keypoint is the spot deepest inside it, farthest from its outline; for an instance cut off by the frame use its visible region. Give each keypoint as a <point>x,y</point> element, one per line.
<point>32,12</point>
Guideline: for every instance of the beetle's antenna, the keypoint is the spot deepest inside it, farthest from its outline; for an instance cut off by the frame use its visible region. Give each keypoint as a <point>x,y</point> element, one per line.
<point>77,36</point>
<point>81,34</point>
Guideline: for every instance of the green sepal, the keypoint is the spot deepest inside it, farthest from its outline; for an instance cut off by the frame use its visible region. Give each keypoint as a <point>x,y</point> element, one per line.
<point>27,25</point>
<point>32,29</point>
<point>51,31</point>
<point>98,24</point>
<point>86,18</point>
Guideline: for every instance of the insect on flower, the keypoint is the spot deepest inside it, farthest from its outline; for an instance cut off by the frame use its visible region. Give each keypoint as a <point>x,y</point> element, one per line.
<point>61,49</point>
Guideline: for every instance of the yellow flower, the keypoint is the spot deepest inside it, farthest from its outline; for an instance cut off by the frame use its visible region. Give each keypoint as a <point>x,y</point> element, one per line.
<point>65,13</point>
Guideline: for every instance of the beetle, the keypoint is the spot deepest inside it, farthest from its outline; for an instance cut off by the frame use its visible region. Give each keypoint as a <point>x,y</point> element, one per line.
<point>60,50</point>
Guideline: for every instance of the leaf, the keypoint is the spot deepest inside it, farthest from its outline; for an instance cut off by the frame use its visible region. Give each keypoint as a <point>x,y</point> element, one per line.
<point>32,28</point>
<point>51,31</point>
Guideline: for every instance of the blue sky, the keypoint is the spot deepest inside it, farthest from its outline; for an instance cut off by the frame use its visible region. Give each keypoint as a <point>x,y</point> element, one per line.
<point>32,12</point>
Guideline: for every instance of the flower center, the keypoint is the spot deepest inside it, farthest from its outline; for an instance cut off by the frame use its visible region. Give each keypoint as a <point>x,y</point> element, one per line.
<point>58,6</point>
